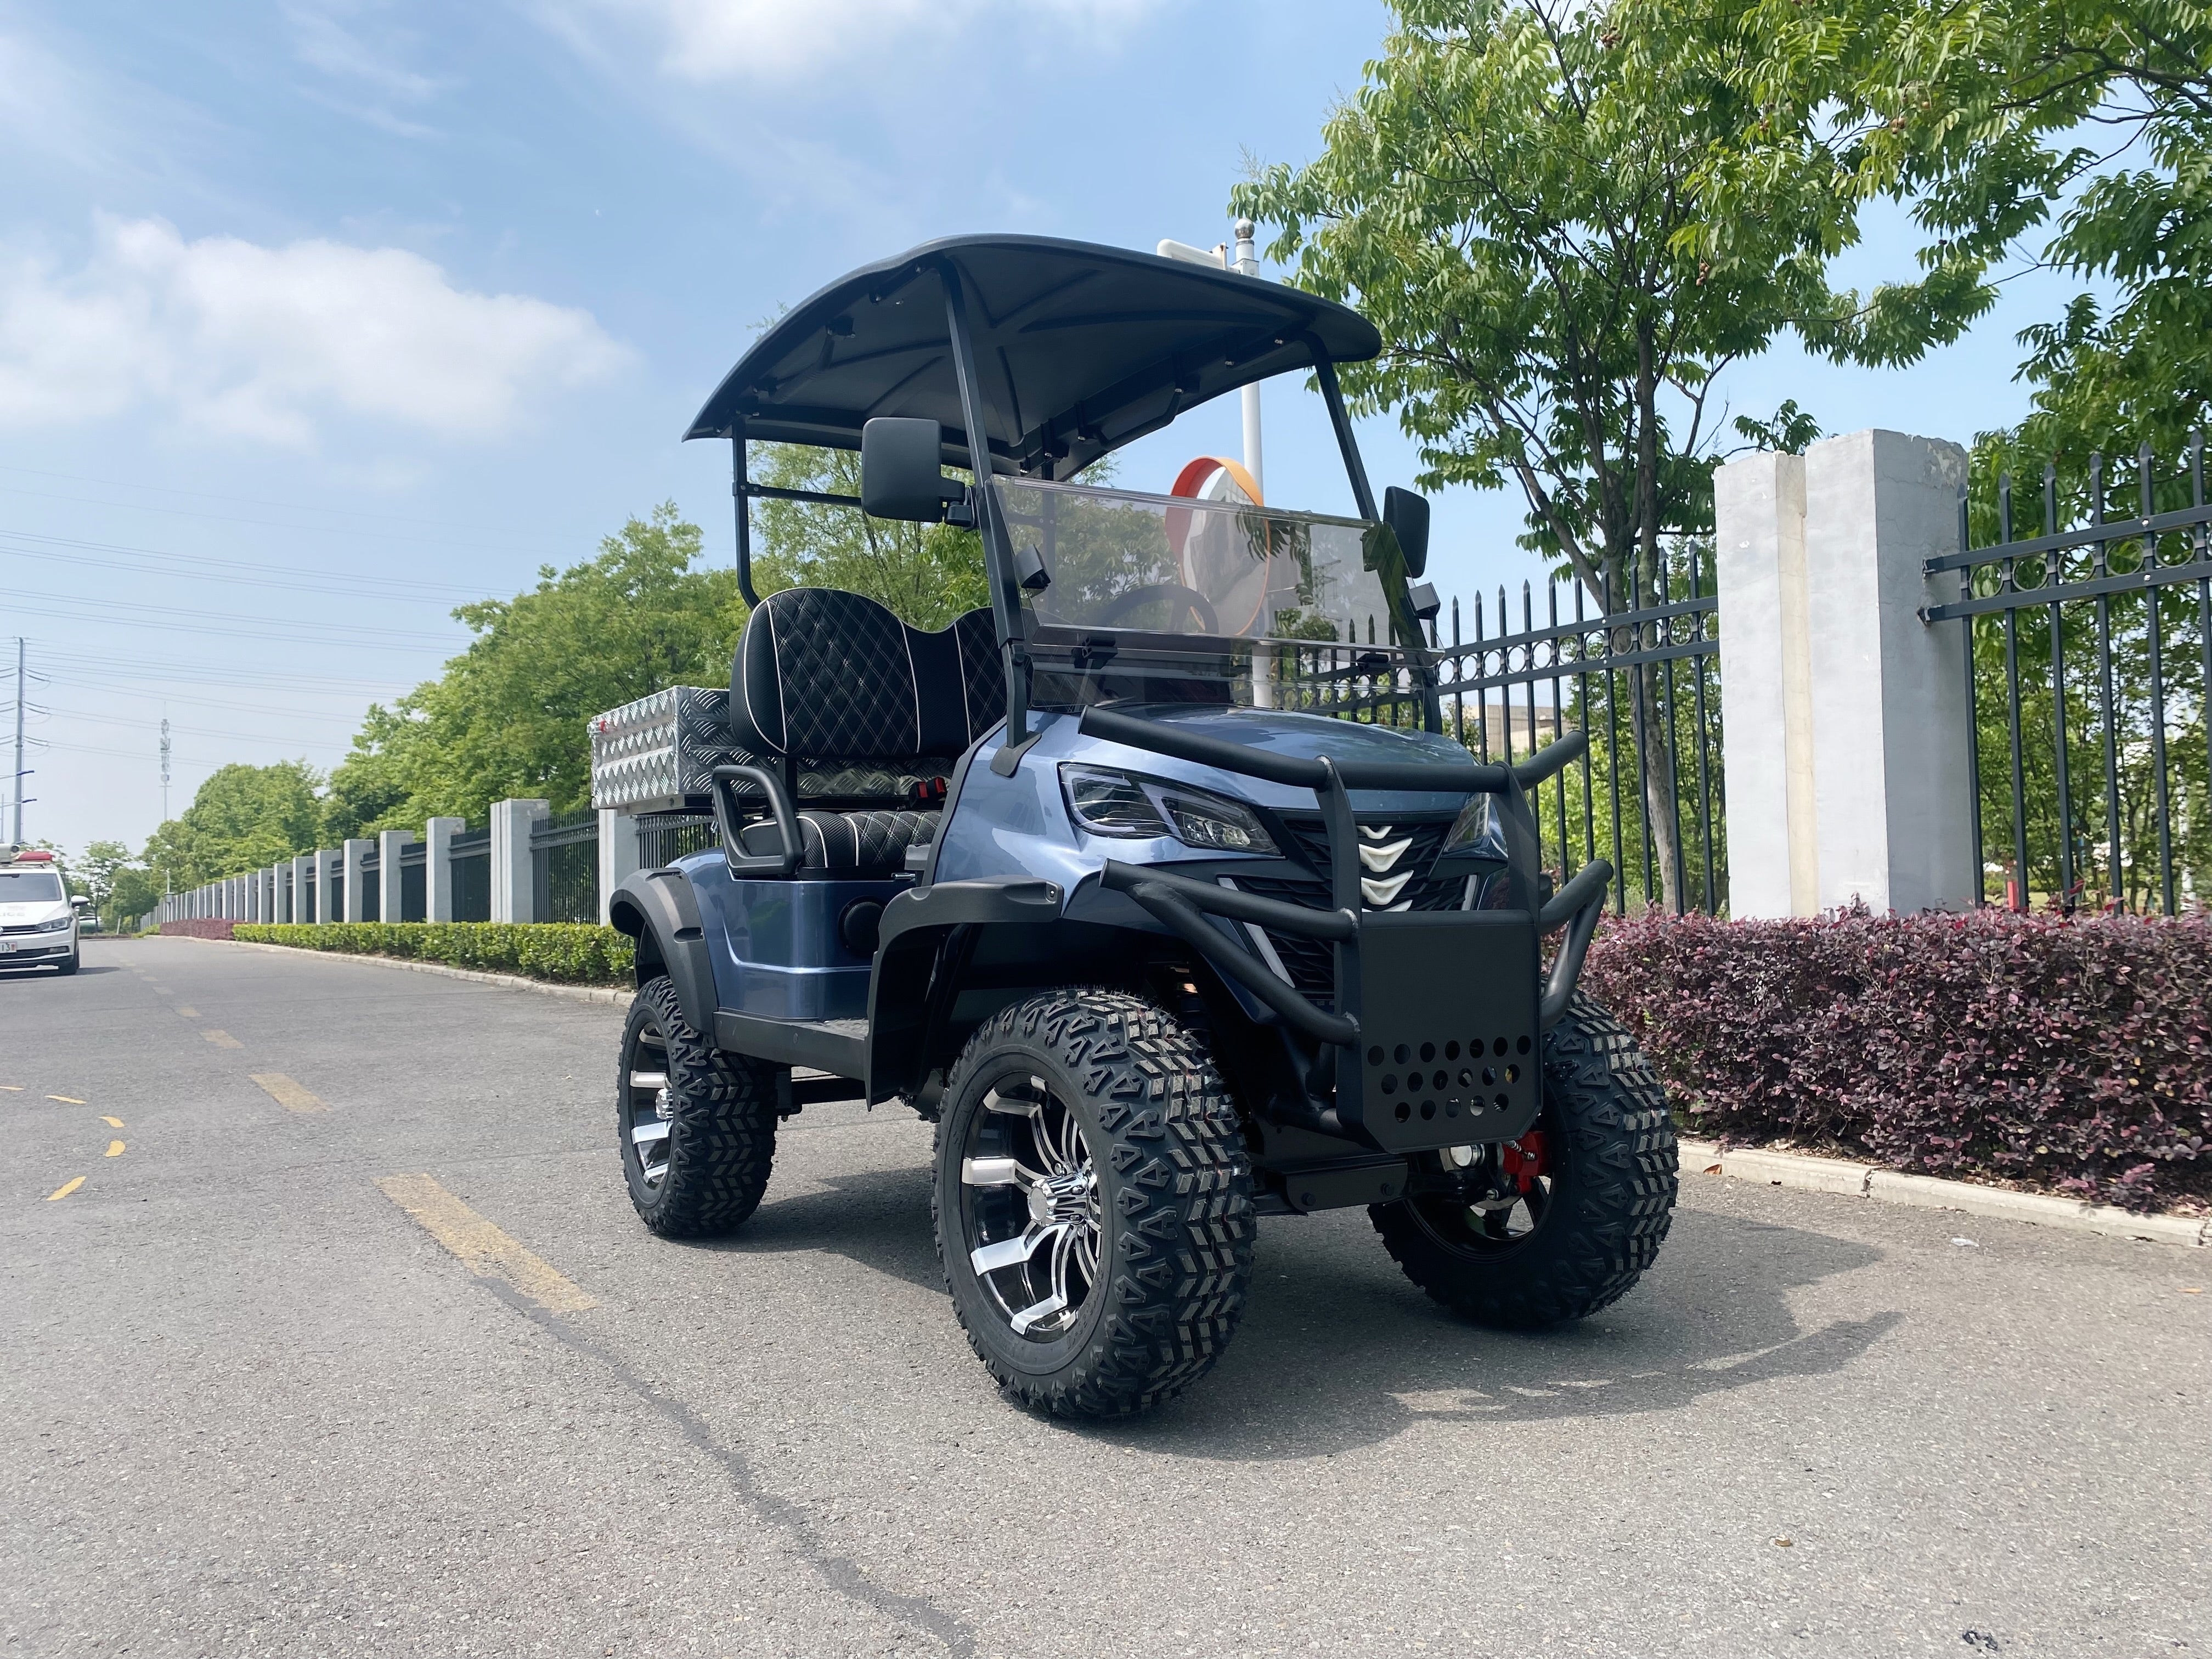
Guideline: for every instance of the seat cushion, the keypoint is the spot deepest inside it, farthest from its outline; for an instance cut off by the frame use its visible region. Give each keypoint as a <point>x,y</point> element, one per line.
<point>859,844</point>
<point>835,677</point>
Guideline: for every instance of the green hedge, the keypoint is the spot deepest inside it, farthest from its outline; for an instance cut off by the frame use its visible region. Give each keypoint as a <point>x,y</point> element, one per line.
<point>573,952</point>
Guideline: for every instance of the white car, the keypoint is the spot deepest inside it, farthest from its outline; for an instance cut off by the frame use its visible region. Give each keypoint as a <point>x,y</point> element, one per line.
<point>37,918</point>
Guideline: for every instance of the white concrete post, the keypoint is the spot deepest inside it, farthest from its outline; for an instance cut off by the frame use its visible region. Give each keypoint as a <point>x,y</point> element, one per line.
<point>1846,714</point>
<point>514,871</point>
<point>256,896</point>
<point>329,866</point>
<point>390,904</point>
<point>303,886</point>
<point>438,867</point>
<point>356,879</point>
<point>618,858</point>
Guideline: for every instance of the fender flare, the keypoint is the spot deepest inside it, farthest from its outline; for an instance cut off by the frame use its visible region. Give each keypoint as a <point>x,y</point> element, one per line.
<point>658,908</point>
<point>911,938</point>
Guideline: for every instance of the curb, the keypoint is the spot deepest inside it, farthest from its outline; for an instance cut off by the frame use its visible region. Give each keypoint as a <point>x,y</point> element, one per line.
<point>610,996</point>
<point>1829,1175</point>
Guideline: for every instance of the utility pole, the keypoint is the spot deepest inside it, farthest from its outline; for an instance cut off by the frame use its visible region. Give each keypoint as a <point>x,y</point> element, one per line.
<point>165,796</point>
<point>21,697</point>
<point>1244,260</point>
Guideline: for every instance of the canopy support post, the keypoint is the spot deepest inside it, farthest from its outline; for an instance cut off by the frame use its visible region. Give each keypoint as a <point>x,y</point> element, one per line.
<point>998,551</point>
<point>740,488</point>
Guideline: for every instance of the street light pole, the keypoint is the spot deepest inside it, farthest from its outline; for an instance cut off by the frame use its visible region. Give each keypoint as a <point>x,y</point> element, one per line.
<point>21,683</point>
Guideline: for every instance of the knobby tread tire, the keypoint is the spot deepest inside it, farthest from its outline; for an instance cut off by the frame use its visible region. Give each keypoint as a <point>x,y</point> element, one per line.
<point>721,1132</point>
<point>1165,1138</point>
<point>1613,1195</point>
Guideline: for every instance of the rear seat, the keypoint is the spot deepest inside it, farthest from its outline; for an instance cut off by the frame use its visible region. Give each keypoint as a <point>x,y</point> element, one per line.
<point>835,680</point>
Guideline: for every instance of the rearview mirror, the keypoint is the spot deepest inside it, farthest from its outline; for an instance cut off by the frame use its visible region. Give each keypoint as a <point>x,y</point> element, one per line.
<point>1407,515</point>
<point>78,902</point>
<point>902,471</point>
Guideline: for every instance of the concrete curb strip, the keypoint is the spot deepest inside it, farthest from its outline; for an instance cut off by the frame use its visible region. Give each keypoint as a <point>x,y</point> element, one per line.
<point>610,994</point>
<point>1829,1175</point>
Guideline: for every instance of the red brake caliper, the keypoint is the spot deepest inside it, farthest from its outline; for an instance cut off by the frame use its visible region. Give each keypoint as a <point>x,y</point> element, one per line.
<point>1525,1159</point>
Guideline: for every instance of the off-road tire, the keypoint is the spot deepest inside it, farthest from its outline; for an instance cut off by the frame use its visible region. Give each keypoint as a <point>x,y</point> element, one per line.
<point>1611,1141</point>
<point>1175,1182</point>
<point>721,1125</point>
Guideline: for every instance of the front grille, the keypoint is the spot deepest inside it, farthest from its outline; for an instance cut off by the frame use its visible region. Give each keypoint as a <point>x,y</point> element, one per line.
<point>1310,838</point>
<point>31,928</point>
<point>1311,962</point>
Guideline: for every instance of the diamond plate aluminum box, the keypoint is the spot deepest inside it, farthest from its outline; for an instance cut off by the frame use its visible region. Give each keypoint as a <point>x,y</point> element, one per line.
<point>655,755</point>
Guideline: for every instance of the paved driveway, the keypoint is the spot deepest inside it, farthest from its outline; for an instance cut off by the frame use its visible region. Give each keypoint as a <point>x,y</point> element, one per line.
<point>252,1404</point>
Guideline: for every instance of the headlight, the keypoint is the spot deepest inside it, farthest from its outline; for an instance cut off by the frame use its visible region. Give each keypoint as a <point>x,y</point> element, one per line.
<point>1109,802</point>
<point>1476,829</point>
<point>59,923</point>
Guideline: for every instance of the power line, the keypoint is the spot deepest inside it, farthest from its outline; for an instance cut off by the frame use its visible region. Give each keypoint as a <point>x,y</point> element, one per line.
<point>209,622</point>
<point>210,702</point>
<point>333,582</point>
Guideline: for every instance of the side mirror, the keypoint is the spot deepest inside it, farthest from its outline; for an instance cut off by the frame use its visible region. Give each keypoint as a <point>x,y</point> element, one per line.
<point>902,471</point>
<point>78,902</point>
<point>1407,515</point>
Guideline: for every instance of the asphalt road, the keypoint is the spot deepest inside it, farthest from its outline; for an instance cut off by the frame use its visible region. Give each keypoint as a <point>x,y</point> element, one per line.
<point>250,1404</point>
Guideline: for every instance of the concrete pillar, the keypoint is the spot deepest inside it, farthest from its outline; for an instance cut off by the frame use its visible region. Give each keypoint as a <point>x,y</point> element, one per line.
<point>438,867</point>
<point>1846,714</point>
<point>618,858</point>
<point>303,888</point>
<point>330,867</point>
<point>256,895</point>
<point>356,879</point>
<point>391,906</point>
<point>514,871</point>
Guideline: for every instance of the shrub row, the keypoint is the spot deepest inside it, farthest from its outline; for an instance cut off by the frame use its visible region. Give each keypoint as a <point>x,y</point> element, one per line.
<point>2070,1055</point>
<point>199,928</point>
<point>573,952</point>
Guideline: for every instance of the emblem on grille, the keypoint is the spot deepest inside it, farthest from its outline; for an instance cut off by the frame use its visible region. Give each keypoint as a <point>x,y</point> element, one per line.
<point>1380,854</point>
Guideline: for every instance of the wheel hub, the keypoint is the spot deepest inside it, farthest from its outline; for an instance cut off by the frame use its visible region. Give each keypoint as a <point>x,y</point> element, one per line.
<point>1030,1207</point>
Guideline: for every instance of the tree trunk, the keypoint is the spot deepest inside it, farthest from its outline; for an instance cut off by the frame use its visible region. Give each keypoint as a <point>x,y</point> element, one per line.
<point>1655,736</point>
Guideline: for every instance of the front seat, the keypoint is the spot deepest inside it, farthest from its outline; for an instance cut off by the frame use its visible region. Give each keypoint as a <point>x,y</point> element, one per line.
<point>832,680</point>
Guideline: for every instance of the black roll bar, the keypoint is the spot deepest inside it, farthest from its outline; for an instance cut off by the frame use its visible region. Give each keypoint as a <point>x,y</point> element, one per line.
<point>1582,899</point>
<point>793,852</point>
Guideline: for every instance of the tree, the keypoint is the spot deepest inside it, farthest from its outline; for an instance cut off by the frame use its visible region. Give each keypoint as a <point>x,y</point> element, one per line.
<point>1567,220</point>
<point>508,716</point>
<point>926,574</point>
<point>96,868</point>
<point>241,818</point>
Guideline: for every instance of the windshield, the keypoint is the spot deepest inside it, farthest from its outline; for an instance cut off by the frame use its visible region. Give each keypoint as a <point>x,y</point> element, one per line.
<point>29,886</point>
<point>1164,564</point>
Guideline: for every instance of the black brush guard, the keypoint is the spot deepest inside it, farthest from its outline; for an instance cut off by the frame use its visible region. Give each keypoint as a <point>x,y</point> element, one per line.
<point>1441,1010</point>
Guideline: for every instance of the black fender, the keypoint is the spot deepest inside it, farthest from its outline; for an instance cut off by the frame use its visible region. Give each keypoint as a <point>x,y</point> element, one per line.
<point>658,908</point>
<point>924,930</point>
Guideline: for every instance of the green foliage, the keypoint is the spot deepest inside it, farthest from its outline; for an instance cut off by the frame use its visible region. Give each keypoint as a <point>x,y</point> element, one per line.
<point>241,818</point>
<point>925,573</point>
<point>571,952</point>
<point>1567,222</point>
<point>508,717</point>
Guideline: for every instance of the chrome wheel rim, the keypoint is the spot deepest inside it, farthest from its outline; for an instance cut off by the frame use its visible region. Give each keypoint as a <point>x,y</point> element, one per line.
<point>1031,1209</point>
<point>647,1107</point>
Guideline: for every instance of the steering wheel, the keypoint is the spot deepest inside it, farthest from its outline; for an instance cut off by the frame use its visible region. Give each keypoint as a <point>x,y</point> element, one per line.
<point>1188,598</point>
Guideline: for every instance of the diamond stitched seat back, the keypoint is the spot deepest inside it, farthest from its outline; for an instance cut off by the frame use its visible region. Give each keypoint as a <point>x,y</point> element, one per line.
<point>835,678</point>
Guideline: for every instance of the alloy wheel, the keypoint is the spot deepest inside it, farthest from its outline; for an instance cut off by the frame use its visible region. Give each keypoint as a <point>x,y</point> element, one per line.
<point>1031,1215</point>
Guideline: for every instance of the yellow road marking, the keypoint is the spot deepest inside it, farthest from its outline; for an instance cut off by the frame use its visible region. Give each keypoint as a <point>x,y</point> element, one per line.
<point>222,1039</point>
<point>286,1093</point>
<point>112,1122</point>
<point>114,1149</point>
<point>67,1100</point>
<point>12,1088</point>
<point>480,1246</point>
<point>188,1013</point>
<point>66,1188</point>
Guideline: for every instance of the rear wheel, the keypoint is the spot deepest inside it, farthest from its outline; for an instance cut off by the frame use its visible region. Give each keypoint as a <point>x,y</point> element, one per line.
<point>1093,1203</point>
<point>1563,1221</point>
<point>696,1125</point>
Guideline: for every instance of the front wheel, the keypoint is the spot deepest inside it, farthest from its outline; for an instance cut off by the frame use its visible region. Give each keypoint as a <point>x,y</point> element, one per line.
<point>69,963</point>
<point>1563,1221</point>
<point>1093,1203</point>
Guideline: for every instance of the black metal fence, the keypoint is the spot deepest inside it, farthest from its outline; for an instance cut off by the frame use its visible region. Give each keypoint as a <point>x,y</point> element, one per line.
<point>2089,652</point>
<point>1643,681</point>
<point>565,865</point>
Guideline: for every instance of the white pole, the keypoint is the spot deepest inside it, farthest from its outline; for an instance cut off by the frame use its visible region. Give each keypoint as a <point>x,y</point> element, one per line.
<point>1247,264</point>
<point>19,684</point>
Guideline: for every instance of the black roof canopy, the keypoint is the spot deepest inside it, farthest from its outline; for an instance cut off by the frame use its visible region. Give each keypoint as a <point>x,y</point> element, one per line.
<point>1080,350</point>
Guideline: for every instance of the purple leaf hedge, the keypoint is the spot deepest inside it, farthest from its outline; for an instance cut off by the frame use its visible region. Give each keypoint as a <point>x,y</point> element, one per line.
<point>2074,1055</point>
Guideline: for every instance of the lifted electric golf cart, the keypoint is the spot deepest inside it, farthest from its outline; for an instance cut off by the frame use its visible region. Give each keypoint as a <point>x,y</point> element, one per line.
<point>1080,880</point>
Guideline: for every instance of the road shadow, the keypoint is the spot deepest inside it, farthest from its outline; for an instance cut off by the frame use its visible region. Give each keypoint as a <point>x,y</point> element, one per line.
<point>1338,1350</point>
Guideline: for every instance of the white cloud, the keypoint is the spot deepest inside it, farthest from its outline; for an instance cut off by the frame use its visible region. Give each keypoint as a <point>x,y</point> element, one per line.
<point>270,343</point>
<point>767,40</point>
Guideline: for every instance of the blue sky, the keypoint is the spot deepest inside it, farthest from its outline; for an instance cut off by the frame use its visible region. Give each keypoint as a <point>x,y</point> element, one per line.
<point>319,317</point>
